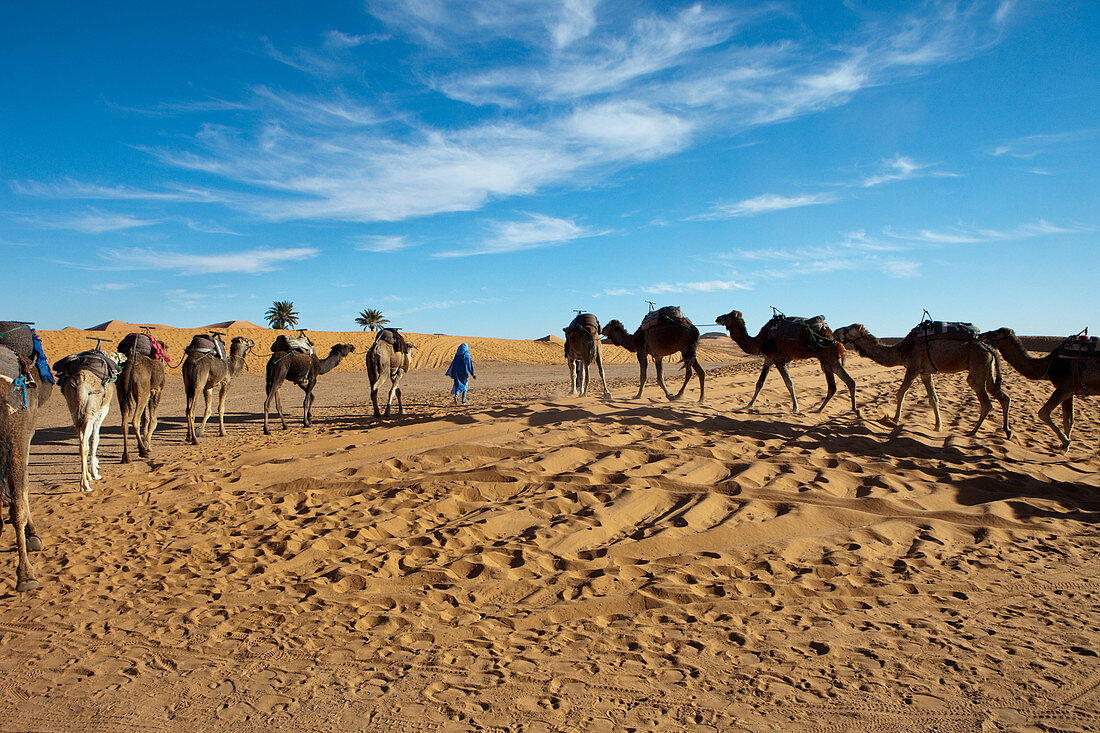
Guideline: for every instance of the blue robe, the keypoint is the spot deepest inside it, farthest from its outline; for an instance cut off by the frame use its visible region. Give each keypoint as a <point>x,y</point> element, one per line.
<point>461,369</point>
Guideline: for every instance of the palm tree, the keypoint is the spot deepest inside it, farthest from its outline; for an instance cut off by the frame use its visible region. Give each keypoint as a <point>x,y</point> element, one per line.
<point>281,314</point>
<point>372,319</point>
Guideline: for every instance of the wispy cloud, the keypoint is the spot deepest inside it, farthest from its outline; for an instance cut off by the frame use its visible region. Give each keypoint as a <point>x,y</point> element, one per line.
<point>966,234</point>
<point>251,261</point>
<point>93,222</point>
<point>110,287</point>
<point>536,231</point>
<point>71,189</point>
<point>443,305</point>
<point>383,243</point>
<point>209,228</point>
<point>766,203</point>
<point>902,168</point>
<point>1031,146</point>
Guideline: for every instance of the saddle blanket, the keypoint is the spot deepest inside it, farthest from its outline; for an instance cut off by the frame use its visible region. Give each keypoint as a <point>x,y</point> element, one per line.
<point>300,344</point>
<point>105,366</point>
<point>582,321</point>
<point>206,343</point>
<point>10,366</point>
<point>791,328</point>
<point>956,330</point>
<point>144,344</point>
<point>666,316</point>
<point>1079,347</point>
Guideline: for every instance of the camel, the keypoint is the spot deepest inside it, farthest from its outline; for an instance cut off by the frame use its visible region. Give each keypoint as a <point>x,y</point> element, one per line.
<point>923,359</point>
<point>781,351</point>
<point>204,370</point>
<point>582,347</point>
<point>139,387</point>
<point>89,399</point>
<point>18,414</point>
<point>1069,376</point>
<point>659,341</point>
<point>303,370</point>
<point>383,359</point>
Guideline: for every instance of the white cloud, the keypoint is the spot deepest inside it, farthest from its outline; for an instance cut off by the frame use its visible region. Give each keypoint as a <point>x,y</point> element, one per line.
<point>71,189</point>
<point>383,243</point>
<point>902,168</point>
<point>94,222</point>
<point>576,20</point>
<point>251,261</point>
<point>102,287</point>
<point>1032,146</point>
<point>966,234</point>
<point>765,203</point>
<point>535,232</point>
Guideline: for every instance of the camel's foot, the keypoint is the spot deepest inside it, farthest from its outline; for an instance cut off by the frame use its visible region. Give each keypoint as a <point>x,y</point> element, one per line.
<point>267,431</point>
<point>221,433</point>
<point>1008,434</point>
<point>125,458</point>
<point>86,487</point>
<point>26,585</point>
<point>193,441</point>
<point>606,395</point>
<point>33,543</point>
<point>1065,448</point>
<point>858,414</point>
<point>638,396</point>
<point>96,476</point>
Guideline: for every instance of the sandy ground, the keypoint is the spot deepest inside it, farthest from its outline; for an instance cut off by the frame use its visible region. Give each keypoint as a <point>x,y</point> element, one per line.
<point>533,561</point>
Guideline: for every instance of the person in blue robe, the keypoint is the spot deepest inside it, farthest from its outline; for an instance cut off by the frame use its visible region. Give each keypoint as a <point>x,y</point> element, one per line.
<point>460,370</point>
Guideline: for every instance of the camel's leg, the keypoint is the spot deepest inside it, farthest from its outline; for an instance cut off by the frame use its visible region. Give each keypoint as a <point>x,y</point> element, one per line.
<point>375,376</point>
<point>390,394</point>
<point>643,365</point>
<point>208,407</point>
<point>151,409</point>
<point>279,409</point>
<point>142,429</point>
<point>995,389</point>
<point>850,383</point>
<point>307,404</point>
<point>573,377</point>
<point>189,413</point>
<point>781,367</point>
<point>599,368</point>
<point>830,384</point>
<point>977,382</point>
<point>702,378</point>
<point>760,382</point>
<point>267,405</point>
<point>932,398</point>
<point>906,381</point>
<point>20,519</point>
<point>397,387</point>
<point>687,378</point>
<point>1062,396</point>
<point>584,376</point>
<point>221,409</point>
<point>85,435</point>
<point>125,431</point>
<point>659,362</point>
<point>95,437</point>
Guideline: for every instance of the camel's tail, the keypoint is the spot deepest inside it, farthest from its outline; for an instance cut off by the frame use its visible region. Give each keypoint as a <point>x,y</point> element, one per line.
<point>83,386</point>
<point>996,366</point>
<point>691,350</point>
<point>841,352</point>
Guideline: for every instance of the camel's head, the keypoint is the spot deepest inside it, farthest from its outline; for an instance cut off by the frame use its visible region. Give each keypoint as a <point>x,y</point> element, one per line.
<point>731,320</point>
<point>342,349</point>
<point>614,331</point>
<point>242,341</point>
<point>996,337</point>
<point>848,334</point>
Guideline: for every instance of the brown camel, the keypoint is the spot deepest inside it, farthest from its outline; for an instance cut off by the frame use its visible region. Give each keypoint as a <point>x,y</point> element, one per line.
<point>204,370</point>
<point>139,387</point>
<point>1070,376</point>
<point>924,358</point>
<point>659,341</point>
<point>384,360</point>
<point>18,413</point>
<point>85,383</point>
<point>829,353</point>
<point>582,347</point>
<point>302,370</point>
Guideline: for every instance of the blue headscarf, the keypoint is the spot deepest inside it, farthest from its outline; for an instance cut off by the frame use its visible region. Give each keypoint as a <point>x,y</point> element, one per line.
<point>460,370</point>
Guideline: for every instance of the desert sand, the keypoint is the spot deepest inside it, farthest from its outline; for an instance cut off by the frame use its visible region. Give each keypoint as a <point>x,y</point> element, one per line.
<point>533,561</point>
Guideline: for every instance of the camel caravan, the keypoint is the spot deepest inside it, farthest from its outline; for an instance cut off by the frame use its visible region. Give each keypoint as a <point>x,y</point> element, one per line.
<point>137,371</point>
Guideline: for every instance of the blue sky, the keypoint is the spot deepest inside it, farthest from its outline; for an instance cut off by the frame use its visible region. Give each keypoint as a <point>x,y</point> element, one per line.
<point>485,168</point>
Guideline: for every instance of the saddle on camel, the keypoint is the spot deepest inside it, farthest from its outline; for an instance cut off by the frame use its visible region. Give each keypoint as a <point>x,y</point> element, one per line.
<point>815,331</point>
<point>208,343</point>
<point>144,344</point>
<point>22,339</point>
<point>665,316</point>
<point>299,343</point>
<point>394,338</point>
<point>582,322</point>
<point>105,366</point>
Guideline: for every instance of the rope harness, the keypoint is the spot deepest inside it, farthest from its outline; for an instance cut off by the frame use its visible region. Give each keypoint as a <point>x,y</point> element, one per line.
<point>21,383</point>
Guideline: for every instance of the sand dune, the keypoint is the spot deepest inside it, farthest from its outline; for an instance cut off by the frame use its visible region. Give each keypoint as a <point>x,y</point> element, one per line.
<point>536,562</point>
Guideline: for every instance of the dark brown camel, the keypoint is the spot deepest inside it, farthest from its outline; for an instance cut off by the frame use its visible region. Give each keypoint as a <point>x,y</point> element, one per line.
<point>780,352</point>
<point>1068,375</point>
<point>139,387</point>
<point>924,358</point>
<point>660,341</point>
<point>18,414</point>
<point>582,347</point>
<point>205,371</point>
<point>302,370</point>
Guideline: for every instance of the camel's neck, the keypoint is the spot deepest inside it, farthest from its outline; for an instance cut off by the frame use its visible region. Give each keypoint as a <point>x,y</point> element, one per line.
<point>878,352</point>
<point>1016,355</point>
<point>626,341</point>
<point>236,362</point>
<point>328,363</point>
<point>749,344</point>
